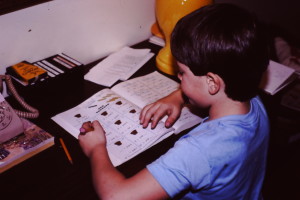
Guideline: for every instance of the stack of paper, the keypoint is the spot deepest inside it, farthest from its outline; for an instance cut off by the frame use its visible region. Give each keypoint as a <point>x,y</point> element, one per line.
<point>276,77</point>
<point>157,40</point>
<point>118,66</point>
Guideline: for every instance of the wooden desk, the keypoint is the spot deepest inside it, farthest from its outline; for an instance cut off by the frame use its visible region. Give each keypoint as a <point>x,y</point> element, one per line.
<point>49,175</point>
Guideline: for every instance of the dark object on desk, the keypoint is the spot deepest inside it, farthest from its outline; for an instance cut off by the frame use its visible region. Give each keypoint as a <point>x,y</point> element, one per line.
<point>291,99</point>
<point>26,73</point>
<point>61,70</point>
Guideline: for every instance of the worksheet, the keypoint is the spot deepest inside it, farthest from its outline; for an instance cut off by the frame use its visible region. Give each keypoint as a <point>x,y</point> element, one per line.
<point>118,110</point>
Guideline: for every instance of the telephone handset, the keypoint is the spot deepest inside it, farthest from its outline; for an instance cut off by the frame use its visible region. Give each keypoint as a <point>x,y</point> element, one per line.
<point>10,123</point>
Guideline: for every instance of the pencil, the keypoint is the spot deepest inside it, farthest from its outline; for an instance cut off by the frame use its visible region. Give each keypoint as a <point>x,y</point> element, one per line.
<point>66,150</point>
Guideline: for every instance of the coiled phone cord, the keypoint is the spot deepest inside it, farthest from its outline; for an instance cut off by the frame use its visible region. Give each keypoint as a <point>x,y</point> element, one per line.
<point>32,112</point>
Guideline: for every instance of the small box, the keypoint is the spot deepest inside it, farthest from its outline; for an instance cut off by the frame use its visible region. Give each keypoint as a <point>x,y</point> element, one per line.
<point>26,72</point>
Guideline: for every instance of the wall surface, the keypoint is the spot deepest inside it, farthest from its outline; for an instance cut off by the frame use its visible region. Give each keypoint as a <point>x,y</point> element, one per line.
<point>91,29</point>
<point>84,29</point>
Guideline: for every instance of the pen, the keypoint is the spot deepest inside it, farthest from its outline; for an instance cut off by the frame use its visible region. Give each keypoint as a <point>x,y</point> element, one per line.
<point>66,150</point>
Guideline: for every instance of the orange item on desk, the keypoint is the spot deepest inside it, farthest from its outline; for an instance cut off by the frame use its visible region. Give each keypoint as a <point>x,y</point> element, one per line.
<point>155,30</point>
<point>28,72</point>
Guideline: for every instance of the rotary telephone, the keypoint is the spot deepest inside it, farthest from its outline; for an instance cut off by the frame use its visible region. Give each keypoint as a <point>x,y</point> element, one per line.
<point>10,119</point>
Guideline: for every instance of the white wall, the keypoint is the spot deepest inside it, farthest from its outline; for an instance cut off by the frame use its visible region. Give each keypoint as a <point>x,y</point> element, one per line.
<point>91,29</point>
<point>85,29</point>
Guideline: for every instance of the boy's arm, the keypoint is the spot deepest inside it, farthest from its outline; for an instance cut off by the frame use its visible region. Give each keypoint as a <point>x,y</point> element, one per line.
<point>109,183</point>
<point>170,105</point>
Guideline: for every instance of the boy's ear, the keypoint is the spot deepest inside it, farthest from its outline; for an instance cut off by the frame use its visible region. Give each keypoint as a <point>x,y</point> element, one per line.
<point>213,82</point>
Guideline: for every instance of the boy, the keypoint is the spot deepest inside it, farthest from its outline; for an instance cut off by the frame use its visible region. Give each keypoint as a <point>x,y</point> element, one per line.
<point>221,52</point>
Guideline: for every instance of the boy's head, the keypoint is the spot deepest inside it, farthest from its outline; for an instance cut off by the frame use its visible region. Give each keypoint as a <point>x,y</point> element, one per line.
<point>225,40</point>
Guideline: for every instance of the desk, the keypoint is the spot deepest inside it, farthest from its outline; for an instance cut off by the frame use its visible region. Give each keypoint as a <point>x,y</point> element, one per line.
<point>49,175</point>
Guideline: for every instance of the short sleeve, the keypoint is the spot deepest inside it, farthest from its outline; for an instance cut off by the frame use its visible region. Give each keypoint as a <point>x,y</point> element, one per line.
<point>184,166</point>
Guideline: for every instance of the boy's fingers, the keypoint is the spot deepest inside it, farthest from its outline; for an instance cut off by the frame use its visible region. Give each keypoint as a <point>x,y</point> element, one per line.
<point>170,121</point>
<point>90,126</point>
<point>97,126</point>
<point>146,115</point>
<point>172,117</point>
<point>150,115</point>
<point>143,113</point>
<point>159,114</point>
<point>147,119</point>
<point>86,127</point>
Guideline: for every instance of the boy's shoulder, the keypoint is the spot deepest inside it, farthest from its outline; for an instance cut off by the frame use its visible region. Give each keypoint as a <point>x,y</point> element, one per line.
<point>256,115</point>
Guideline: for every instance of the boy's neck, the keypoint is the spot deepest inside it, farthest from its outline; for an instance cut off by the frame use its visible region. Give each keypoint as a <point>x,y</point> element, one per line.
<point>227,107</point>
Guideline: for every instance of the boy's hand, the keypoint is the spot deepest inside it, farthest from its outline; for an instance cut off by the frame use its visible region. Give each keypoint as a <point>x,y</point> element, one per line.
<point>91,136</point>
<point>170,105</point>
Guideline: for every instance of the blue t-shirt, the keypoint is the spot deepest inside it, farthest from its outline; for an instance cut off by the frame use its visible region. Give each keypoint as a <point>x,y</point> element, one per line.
<point>219,159</point>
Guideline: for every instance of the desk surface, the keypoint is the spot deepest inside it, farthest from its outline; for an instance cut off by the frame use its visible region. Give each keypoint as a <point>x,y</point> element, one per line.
<point>49,175</point>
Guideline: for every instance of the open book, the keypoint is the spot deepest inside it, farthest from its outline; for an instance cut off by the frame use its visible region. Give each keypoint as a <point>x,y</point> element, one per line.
<point>118,110</point>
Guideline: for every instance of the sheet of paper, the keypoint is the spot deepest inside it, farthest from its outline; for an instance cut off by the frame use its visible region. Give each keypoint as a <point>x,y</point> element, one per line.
<point>276,77</point>
<point>120,119</point>
<point>157,40</point>
<point>120,65</point>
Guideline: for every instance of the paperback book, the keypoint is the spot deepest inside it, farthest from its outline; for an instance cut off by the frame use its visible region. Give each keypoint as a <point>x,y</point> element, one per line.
<point>24,146</point>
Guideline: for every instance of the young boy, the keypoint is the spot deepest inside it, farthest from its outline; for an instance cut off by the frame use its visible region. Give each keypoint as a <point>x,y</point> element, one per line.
<point>221,52</point>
